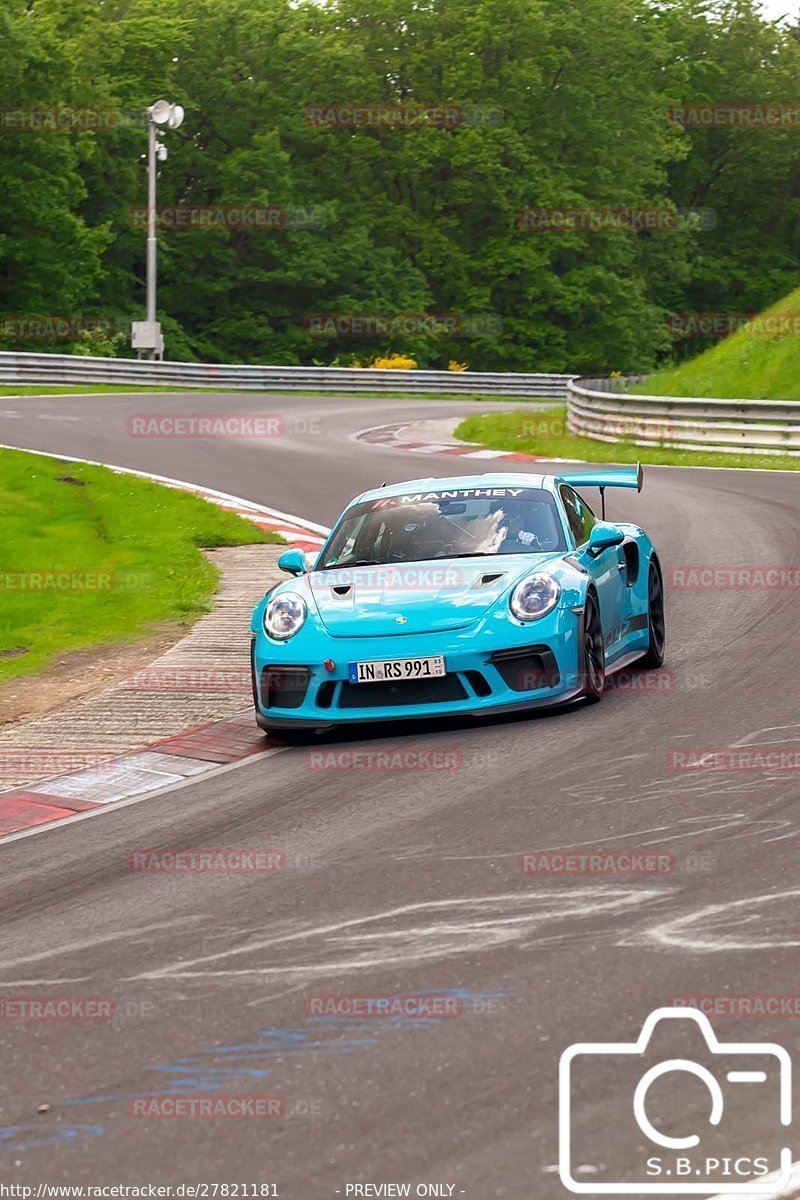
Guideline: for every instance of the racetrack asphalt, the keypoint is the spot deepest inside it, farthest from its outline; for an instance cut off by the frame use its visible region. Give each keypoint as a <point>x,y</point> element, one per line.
<point>409,880</point>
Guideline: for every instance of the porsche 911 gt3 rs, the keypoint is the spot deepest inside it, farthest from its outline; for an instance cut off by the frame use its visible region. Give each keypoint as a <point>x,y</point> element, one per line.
<point>472,595</point>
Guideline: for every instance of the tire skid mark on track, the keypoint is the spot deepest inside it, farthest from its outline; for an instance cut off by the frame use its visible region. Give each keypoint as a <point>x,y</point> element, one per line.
<point>68,949</point>
<point>734,925</point>
<point>790,1192</point>
<point>738,823</point>
<point>427,930</point>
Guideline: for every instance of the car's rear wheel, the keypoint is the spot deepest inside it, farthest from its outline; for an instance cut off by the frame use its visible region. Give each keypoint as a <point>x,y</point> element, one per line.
<point>656,626</point>
<point>593,653</point>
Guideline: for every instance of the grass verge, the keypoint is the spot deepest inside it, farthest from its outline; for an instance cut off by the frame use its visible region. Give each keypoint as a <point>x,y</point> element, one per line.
<point>92,558</point>
<point>545,434</point>
<point>758,362</point>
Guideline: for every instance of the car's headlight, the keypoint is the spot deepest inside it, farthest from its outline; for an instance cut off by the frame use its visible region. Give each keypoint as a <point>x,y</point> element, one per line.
<point>284,615</point>
<point>535,597</point>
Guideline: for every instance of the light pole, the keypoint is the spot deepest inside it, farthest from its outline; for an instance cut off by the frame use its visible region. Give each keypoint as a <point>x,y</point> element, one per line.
<point>146,336</point>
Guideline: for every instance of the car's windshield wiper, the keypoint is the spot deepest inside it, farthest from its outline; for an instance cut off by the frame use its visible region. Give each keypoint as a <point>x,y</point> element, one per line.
<point>472,554</point>
<point>350,562</point>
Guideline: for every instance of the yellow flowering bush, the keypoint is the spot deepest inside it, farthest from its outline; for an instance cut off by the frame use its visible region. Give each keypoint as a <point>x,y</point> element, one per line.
<point>394,362</point>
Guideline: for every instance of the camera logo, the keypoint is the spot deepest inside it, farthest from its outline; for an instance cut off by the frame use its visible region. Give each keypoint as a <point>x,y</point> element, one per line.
<point>688,1129</point>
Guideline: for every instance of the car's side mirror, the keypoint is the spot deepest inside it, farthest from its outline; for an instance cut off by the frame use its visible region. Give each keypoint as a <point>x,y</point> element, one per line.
<point>604,535</point>
<point>293,562</point>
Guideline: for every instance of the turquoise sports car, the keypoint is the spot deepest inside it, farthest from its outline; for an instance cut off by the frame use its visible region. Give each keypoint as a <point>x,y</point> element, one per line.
<point>473,595</point>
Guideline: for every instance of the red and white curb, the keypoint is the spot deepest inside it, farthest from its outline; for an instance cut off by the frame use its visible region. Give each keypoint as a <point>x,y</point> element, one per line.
<point>294,530</point>
<point>401,437</point>
<point>160,765</point>
<point>172,760</point>
<point>398,437</point>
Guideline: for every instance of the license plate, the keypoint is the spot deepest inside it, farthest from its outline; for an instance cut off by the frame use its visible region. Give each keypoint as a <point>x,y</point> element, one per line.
<point>387,669</point>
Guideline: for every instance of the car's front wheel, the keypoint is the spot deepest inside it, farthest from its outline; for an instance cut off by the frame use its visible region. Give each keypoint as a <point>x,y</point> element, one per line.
<point>593,653</point>
<point>656,625</point>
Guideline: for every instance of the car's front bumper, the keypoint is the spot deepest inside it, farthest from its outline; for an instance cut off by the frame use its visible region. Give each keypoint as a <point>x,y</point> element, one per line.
<point>494,665</point>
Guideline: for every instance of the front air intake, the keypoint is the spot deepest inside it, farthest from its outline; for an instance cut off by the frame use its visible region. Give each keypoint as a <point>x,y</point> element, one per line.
<point>526,669</point>
<point>388,694</point>
<point>284,687</point>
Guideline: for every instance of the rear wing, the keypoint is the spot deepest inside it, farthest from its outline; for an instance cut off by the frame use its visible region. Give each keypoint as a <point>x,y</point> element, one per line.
<point>628,477</point>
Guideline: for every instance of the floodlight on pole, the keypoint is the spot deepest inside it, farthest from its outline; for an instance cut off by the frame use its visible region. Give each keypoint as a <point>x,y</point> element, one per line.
<point>160,111</point>
<point>146,336</point>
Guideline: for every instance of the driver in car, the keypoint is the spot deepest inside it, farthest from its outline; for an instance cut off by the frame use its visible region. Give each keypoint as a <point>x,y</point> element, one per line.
<point>516,535</point>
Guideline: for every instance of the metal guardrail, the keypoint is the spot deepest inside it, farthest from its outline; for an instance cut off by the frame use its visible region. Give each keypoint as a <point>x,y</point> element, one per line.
<point>73,368</point>
<point>597,409</point>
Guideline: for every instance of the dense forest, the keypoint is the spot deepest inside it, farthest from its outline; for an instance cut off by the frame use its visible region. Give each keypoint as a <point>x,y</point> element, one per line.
<point>412,157</point>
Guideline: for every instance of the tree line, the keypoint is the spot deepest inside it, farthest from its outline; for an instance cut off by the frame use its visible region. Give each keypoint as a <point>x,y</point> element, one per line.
<point>509,185</point>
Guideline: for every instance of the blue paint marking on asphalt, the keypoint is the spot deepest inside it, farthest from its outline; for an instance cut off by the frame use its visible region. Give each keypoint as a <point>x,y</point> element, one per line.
<point>31,1137</point>
<point>192,1073</point>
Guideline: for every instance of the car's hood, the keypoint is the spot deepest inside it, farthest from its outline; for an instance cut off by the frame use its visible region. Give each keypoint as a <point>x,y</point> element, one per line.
<point>420,597</point>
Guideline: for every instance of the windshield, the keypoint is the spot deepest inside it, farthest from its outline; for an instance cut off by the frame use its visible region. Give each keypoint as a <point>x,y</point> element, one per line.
<point>456,523</point>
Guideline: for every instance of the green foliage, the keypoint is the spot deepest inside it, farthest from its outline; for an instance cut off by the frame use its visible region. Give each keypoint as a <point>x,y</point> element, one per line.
<point>759,362</point>
<point>96,343</point>
<point>574,101</point>
<point>131,546</point>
